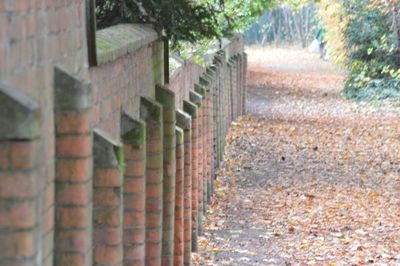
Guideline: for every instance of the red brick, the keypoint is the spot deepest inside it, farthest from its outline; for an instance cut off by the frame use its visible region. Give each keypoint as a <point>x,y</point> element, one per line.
<point>77,170</point>
<point>154,146</point>
<point>110,236</point>
<point>107,217</point>
<point>72,122</point>
<point>16,245</point>
<point>73,217</point>
<point>73,241</point>
<point>154,160</point>
<point>22,5</point>
<point>107,255</point>
<point>153,236</point>
<point>134,202</point>
<point>134,236</point>
<point>134,185</point>
<point>153,220</point>
<point>107,197</point>
<point>135,168</point>
<point>17,185</point>
<point>134,253</point>
<point>17,215</point>
<point>133,154</point>
<point>108,178</point>
<point>22,155</point>
<point>153,177</point>
<point>4,151</point>
<point>70,259</point>
<point>153,250</point>
<point>73,194</point>
<point>74,146</point>
<point>134,217</point>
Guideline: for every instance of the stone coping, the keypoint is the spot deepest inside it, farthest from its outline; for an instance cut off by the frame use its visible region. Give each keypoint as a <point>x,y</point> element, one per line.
<point>116,41</point>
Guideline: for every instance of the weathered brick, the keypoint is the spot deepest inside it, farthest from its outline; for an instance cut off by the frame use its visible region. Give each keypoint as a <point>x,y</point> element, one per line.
<point>111,236</point>
<point>17,185</point>
<point>107,255</point>
<point>17,215</point>
<point>76,170</point>
<point>72,122</point>
<point>73,217</point>
<point>134,201</point>
<point>108,178</point>
<point>22,155</point>
<point>79,194</point>
<point>134,185</point>
<point>16,245</point>
<point>74,146</point>
<point>107,217</point>
<point>134,217</point>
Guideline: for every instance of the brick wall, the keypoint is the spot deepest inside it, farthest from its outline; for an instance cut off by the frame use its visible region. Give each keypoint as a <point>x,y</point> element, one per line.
<point>61,201</point>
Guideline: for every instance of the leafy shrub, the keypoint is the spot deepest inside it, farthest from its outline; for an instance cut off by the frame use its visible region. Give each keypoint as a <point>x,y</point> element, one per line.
<point>370,48</point>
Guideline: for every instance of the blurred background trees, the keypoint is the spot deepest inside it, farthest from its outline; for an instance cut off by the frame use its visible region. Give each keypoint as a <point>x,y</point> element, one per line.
<point>362,35</point>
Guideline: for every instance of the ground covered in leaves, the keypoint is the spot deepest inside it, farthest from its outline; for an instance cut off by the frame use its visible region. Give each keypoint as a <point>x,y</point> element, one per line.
<point>309,177</point>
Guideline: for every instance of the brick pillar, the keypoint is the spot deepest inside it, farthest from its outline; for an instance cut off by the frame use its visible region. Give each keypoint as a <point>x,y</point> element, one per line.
<point>240,70</point>
<point>197,99</point>
<point>152,113</point>
<point>166,98</point>
<point>20,236</point>
<point>237,83</point>
<point>220,59</point>
<point>211,83</point>
<point>212,72</point>
<point>234,88</point>
<point>192,110</point>
<point>74,188</point>
<point>216,120</point>
<point>108,165</point>
<point>133,135</point>
<point>184,121</point>
<point>201,90</point>
<point>231,101</point>
<point>179,199</point>
<point>245,62</point>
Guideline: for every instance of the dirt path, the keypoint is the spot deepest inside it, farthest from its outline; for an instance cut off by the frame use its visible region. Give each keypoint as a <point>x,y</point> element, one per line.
<point>309,177</point>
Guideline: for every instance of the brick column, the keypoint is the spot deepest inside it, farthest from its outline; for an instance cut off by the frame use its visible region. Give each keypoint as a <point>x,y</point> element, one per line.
<point>220,59</point>
<point>240,69</point>
<point>231,101</point>
<point>184,121</point>
<point>212,73</point>
<point>234,88</point>
<point>152,113</point>
<point>179,199</point>
<point>166,98</point>
<point>74,188</point>
<point>192,110</point>
<point>20,159</point>
<point>245,62</point>
<point>108,164</point>
<point>210,78</point>
<point>133,135</point>
<point>204,130</point>
<point>197,99</point>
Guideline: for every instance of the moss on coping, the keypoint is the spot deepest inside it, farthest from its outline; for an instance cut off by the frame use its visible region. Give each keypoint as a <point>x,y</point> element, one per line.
<point>116,41</point>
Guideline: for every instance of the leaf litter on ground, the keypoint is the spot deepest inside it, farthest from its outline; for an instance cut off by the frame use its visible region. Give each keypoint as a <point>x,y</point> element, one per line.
<point>309,178</point>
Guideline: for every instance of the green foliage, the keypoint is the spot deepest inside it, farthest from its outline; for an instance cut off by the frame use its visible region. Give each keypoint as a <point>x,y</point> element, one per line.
<point>179,20</point>
<point>373,53</point>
